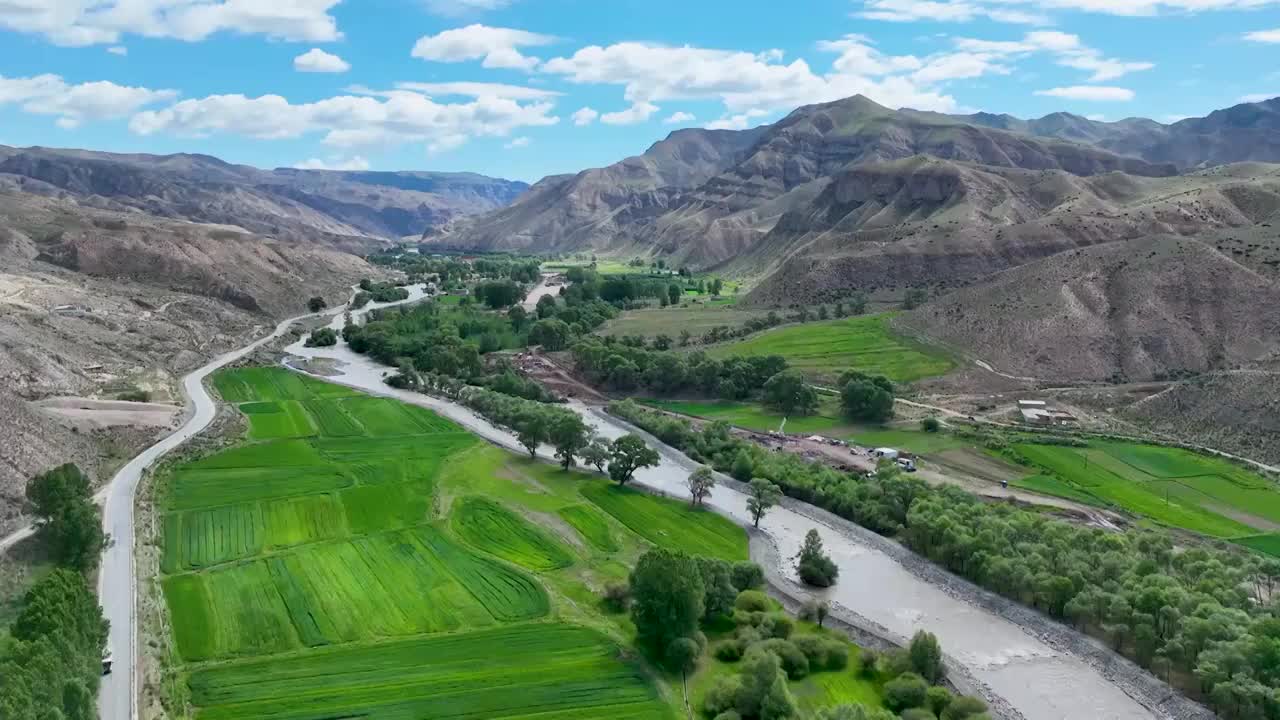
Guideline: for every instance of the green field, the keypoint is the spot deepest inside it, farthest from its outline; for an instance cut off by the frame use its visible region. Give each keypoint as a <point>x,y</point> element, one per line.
<point>358,557</point>
<point>697,319</point>
<point>1171,486</point>
<point>544,671</point>
<point>826,349</point>
<point>672,525</point>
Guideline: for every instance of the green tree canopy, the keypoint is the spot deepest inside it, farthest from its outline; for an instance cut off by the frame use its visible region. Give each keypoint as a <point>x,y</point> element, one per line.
<point>630,453</point>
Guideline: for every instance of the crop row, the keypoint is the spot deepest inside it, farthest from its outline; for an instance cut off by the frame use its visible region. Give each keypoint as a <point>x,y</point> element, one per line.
<point>394,584</point>
<point>669,523</point>
<point>487,526</point>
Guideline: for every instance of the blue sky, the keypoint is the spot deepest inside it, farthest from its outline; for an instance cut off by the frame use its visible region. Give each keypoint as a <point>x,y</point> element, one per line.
<point>526,88</point>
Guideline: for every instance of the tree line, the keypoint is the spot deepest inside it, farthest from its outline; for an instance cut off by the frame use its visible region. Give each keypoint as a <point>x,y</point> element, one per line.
<point>1204,618</point>
<point>52,664</point>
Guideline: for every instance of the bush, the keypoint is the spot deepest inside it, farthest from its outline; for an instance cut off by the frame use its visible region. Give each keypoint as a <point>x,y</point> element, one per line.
<point>324,337</point>
<point>729,715</point>
<point>815,567</point>
<point>905,691</point>
<point>823,653</point>
<point>917,714</point>
<point>746,576</point>
<point>963,708</point>
<point>723,696</point>
<point>938,699</point>
<point>778,625</point>
<point>794,662</point>
<point>926,656</point>
<point>868,659</point>
<point>134,395</point>
<point>930,425</point>
<point>617,596</point>
<point>752,601</point>
<point>728,651</point>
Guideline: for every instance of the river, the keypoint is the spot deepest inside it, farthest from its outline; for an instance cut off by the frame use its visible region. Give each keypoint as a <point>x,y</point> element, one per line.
<point>1033,678</point>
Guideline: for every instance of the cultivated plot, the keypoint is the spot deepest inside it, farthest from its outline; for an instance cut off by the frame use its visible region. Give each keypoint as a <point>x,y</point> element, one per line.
<point>670,524</point>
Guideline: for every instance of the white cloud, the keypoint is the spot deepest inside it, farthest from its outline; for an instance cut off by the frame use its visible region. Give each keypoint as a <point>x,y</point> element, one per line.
<point>950,11</point>
<point>348,120</point>
<point>76,104</point>
<point>679,117</point>
<point>497,47</point>
<point>1067,49</point>
<point>1096,117</point>
<point>335,162</point>
<point>584,116</point>
<point>478,90</point>
<point>1258,97</point>
<point>455,8</point>
<point>316,60</point>
<point>1093,93</point>
<point>1034,11</point>
<point>92,22</point>
<point>519,142</point>
<point>118,50</point>
<point>743,80</point>
<point>1263,36</point>
<point>637,113</point>
<point>741,121</point>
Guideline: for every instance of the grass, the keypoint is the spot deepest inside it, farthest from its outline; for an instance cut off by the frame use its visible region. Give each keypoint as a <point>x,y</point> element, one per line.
<point>697,318</point>
<point>544,671</point>
<point>489,527</point>
<point>1267,543</point>
<point>824,350</point>
<point>668,523</point>
<point>1168,485</point>
<point>361,557</point>
<point>591,526</point>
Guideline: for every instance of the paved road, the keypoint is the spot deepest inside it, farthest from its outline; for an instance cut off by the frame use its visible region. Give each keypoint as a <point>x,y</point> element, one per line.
<point>542,288</point>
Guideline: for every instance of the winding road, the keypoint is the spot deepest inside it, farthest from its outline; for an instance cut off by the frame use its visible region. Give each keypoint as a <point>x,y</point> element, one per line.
<point>1019,664</point>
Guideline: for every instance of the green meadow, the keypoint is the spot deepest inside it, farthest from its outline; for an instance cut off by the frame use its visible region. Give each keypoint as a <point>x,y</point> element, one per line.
<point>826,349</point>
<point>354,556</point>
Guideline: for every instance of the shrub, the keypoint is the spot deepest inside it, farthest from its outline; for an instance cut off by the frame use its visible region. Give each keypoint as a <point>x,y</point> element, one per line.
<point>868,659</point>
<point>917,714</point>
<point>963,708</point>
<point>938,699</point>
<point>794,663</point>
<point>746,576</point>
<point>926,656</point>
<point>905,691</point>
<point>815,567</point>
<point>729,715</point>
<point>930,425</point>
<point>778,625</point>
<point>752,601</point>
<point>729,651</point>
<point>723,696</point>
<point>617,596</point>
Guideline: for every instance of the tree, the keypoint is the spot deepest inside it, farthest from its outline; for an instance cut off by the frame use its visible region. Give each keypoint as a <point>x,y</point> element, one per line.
<point>763,683</point>
<point>568,435</point>
<point>853,712</point>
<point>716,286</point>
<point>926,656</point>
<point>815,567</point>
<point>743,467</point>
<point>815,611</point>
<point>531,431</point>
<point>546,307</point>
<point>628,454</point>
<point>596,453</point>
<point>518,317</point>
<point>930,424</point>
<point>62,503</point>
<point>322,337</point>
<point>682,655</point>
<point>662,342</point>
<point>764,495</point>
<point>822,312</point>
<point>674,293</point>
<point>858,304</point>
<point>700,482</point>
<point>866,400</point>
<point>551,334</point>
<point>905,691</point>
<point>963,707</point>
<point>788,393</point>
<point>719,593</point>
<point>316,304</point>
<point>666,599</point>
<point>915,298</point>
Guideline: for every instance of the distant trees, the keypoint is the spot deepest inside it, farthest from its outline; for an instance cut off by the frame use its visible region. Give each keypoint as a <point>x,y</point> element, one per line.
<point>499,293</point>
<point>788,393</point>
<point>762,496</point>
<point>866,398</point>
<point>628,454</point>
<point>815,567</point>
<point>316,304</point>
<point>700,483</point>
<point>552,334</point>
<point>62,502</point>
<point>322,337</point>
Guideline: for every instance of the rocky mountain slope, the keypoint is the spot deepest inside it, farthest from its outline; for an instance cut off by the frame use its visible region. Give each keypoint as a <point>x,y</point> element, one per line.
<point>95,302</point>
<point>1245,132</point>
<point>344,209</point>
